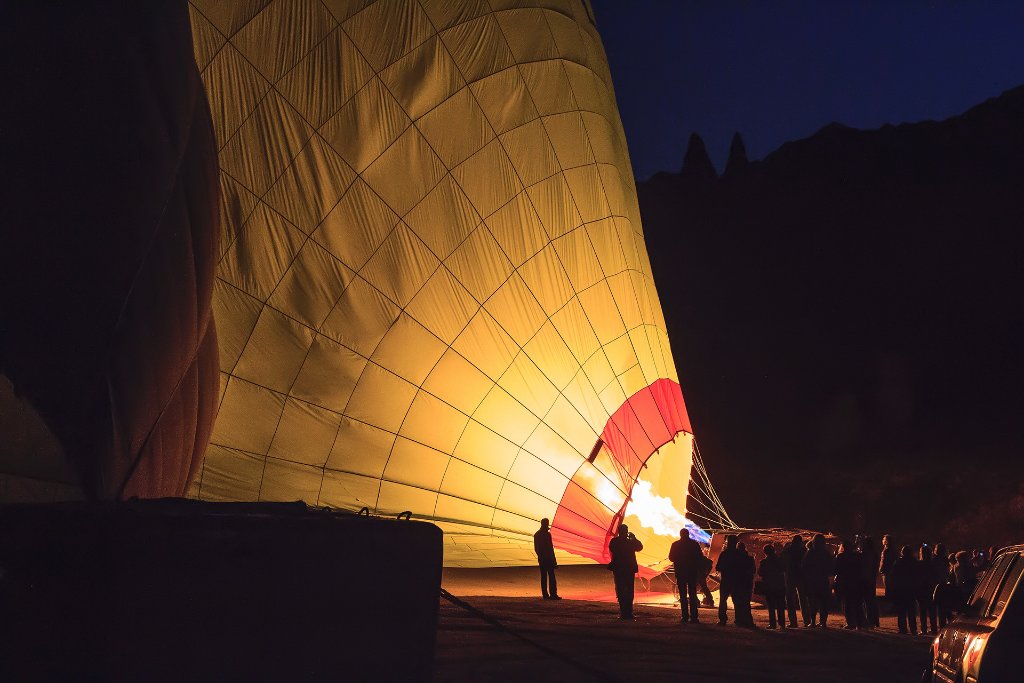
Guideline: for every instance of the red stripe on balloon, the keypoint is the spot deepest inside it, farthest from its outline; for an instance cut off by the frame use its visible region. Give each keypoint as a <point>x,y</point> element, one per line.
<point>645,422</point>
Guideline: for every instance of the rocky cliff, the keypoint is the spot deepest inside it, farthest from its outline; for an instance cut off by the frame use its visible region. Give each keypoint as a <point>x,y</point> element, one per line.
<point>855,297</point>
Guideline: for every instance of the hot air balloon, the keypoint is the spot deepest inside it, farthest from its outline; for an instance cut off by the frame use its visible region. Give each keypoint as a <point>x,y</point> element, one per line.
<point>433,294</point>
<point>431,291</point>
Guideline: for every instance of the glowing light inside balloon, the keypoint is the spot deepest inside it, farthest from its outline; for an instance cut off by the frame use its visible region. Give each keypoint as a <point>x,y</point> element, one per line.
<point>610,495</point>
<point>660,515</point>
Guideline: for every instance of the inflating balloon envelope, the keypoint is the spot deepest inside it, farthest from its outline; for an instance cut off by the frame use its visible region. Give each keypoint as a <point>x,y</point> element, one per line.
<point>432,292</point>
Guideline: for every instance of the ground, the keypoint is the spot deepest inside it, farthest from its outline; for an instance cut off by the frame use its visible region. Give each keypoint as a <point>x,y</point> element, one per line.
<point>501,630</point>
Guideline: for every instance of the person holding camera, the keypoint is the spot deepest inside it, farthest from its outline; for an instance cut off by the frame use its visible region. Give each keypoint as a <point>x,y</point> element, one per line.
<point>624,567</point>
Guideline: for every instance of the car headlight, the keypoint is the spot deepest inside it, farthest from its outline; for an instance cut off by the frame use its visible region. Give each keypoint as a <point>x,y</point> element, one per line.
<point>973,656</point>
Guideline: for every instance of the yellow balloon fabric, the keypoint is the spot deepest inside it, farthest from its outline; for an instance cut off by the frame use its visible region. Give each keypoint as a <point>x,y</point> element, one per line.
<point>433,290</point>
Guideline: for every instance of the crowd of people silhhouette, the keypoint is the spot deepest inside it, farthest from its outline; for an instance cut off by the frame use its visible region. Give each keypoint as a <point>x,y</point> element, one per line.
<point>926,585</point>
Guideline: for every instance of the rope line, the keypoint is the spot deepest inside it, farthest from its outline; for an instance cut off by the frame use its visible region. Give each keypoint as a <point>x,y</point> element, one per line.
<point>483,616</point>
<point>706,495</point>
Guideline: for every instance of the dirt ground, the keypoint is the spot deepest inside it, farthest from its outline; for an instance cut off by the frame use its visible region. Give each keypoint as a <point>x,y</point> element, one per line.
<point>503,631</point>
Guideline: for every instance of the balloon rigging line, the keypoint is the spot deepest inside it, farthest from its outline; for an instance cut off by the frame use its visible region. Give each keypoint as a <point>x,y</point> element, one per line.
<point>483,616</point>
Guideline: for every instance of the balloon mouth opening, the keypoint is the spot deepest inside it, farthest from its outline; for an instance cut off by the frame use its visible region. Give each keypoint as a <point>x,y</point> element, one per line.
<point>614,484</point>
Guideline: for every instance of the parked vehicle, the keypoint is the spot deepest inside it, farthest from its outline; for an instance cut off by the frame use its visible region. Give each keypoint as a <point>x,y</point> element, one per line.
<point>984,643</point>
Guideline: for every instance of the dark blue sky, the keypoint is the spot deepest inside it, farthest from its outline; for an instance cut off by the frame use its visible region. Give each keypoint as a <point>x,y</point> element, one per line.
<point>778,71</point>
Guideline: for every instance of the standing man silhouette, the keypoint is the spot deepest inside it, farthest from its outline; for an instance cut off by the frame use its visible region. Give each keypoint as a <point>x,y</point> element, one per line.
<point>545,550</point>
<point>744,588</point>
<point>688,559</point>
<point>730,566</point>
<point>818,568</point>
<point>792,557</point>
<point>624,548</point>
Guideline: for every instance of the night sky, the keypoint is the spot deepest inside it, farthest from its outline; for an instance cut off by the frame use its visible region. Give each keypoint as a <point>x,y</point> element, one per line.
<point>831,320</point>
<point>778,71</point>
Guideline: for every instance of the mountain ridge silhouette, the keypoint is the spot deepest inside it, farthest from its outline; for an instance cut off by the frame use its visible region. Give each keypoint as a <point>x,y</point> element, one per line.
<point>852,299</point>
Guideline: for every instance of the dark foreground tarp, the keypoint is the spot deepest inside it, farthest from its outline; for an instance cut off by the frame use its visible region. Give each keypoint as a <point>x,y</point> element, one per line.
<point>184,590</point>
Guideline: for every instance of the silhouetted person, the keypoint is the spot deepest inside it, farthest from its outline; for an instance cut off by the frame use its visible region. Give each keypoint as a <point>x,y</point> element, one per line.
<point>924,589</point>
<point>978,559</point>
<point>744,590</point>
<point>850,583</point>
<point>982,560</point>
<point>624,548</point>
<point>688,559</point>
<point>900,586</point>
<point>965,578</point>
<point>869,565</point>
<point>945,595</point>
<point>545,550</point>
<point>792,557</point>
<point>773,575</point>
<point>886,560</point>
<point>818,568</point>
<point>729,569</point>
<point>702,579</point>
